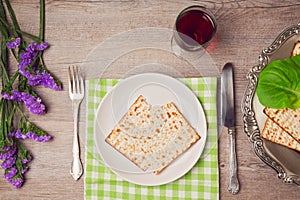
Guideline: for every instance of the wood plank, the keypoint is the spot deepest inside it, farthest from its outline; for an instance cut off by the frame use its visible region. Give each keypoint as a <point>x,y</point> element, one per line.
<point>74,28</point>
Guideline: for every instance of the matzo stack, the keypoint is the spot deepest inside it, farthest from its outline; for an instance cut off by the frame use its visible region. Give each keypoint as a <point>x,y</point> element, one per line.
<point>152,137</point>
<point>287,119</point>
<point>276,134</point>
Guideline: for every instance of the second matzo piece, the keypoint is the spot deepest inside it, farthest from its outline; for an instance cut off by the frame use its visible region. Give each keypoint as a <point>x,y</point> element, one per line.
<point>152,137</point>
<point>276,134</point>
<point>287,119</point>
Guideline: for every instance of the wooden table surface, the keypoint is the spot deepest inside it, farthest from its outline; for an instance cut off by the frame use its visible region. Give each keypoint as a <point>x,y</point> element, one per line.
<point>74,28</point>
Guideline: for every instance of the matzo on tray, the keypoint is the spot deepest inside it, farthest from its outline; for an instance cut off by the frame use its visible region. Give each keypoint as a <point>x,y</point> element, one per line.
<point>287,119</point>
<point>276,134</point>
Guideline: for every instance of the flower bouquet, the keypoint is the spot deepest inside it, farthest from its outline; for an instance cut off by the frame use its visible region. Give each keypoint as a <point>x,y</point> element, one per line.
<point>18,89</point>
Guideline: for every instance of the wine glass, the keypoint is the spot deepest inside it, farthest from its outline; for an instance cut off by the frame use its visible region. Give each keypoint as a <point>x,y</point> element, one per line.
<point>194,29</point>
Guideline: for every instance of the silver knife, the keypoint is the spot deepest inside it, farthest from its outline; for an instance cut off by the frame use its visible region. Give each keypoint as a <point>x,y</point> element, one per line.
<point>228,120</point>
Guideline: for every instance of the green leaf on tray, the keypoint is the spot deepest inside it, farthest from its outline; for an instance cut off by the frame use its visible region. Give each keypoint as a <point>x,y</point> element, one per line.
<point>279,84</point>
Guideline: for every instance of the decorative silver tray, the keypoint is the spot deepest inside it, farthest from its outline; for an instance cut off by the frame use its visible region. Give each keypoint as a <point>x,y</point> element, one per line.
<point>285,161</point>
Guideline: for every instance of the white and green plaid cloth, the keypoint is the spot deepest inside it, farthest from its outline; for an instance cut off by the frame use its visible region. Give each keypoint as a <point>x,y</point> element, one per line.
<point>201,182</point>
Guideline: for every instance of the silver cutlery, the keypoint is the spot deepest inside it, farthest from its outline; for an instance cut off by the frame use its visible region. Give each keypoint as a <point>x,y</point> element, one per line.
<point>228,120</point>
<point>76,93</point>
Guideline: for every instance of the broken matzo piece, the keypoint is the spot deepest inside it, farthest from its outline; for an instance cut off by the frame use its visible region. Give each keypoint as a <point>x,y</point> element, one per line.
<point>152,137</point>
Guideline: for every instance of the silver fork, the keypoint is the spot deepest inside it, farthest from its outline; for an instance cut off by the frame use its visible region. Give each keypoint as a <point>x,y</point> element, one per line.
<point>76,93</point>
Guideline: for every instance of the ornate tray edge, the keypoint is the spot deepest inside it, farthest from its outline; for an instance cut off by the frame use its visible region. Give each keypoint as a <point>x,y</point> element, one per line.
<point>250,123</point>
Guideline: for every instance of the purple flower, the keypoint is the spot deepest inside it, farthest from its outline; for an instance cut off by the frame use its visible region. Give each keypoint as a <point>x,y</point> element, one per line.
<point>23,171</point>
<point>43,138</point>
<point>19,134</point>
<point>5,148</point>
<point>42,46</point>
<point>7,96</point>
<point>10,173</point>
<point>33,104</point>
<point>27,160</point>
<point>34,76</point>
<point>33,136</point>
<point>10,135</point>
<point>16,182</point>
<point>27,57</point>
<point>44,79</point>
<point>8,163</point>
<point>8,153</point>
<point>14,44</point>
<point>37,47</point>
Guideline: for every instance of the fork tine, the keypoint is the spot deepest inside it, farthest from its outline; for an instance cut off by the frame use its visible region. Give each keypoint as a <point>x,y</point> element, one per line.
<point>76,83</point>
<point>70,81</point>
<point>79,82</point>
<point>73,80</point>
<point>81,85</point>
<point>75,68</point>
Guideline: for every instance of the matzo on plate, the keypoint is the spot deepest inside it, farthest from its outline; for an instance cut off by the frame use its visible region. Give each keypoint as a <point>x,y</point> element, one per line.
<point>152,137</point>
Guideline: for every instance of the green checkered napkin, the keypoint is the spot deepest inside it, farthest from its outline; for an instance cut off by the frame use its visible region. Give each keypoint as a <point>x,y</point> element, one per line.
<point>201,182</point>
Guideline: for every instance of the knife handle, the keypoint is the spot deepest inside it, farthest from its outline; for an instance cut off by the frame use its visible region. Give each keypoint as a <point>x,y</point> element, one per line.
<point>233,185</point>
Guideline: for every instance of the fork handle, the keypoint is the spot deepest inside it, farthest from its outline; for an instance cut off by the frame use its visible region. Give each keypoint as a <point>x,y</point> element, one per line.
<point>76,166</point>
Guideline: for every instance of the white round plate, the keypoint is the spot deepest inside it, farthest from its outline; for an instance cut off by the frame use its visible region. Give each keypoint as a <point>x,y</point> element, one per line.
<point>157,89</point>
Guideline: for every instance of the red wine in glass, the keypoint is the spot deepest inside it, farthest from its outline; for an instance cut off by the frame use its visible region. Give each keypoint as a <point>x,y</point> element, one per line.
<point>195,27</point>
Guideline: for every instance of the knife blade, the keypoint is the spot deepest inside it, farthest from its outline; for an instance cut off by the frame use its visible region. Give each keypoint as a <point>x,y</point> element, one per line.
<point>228,120</point>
